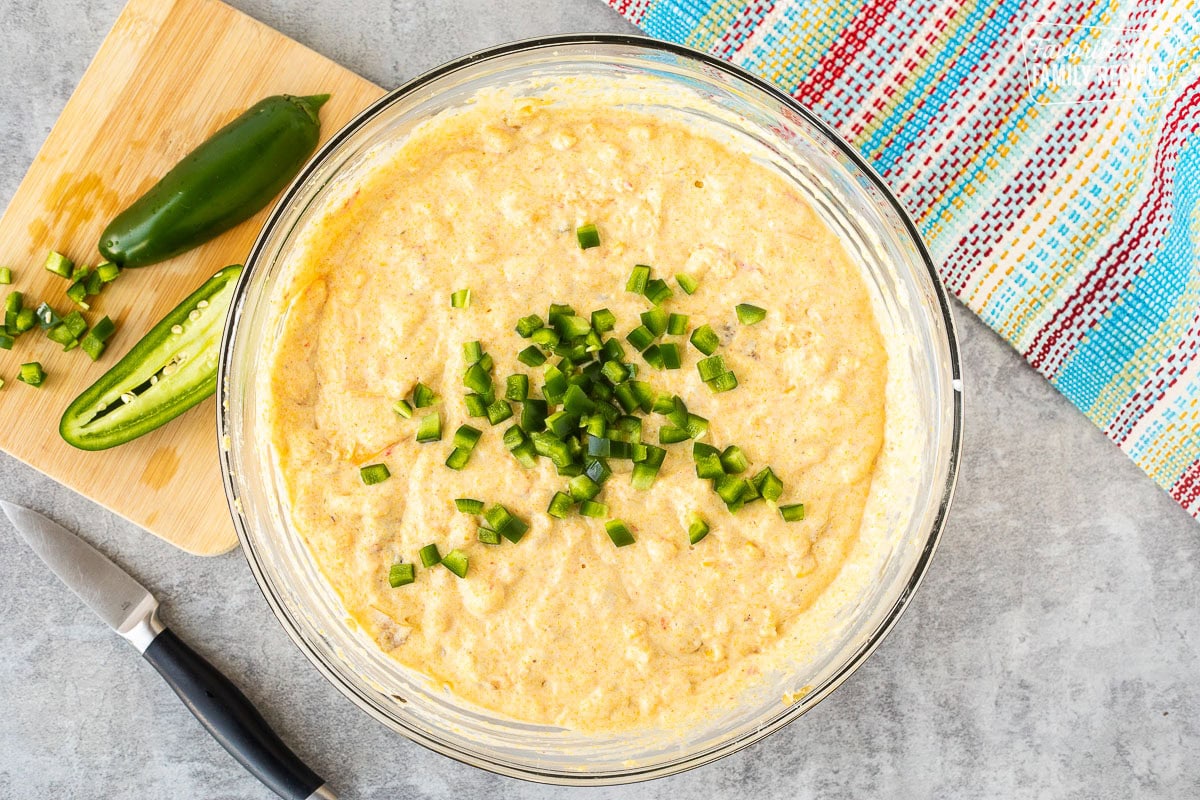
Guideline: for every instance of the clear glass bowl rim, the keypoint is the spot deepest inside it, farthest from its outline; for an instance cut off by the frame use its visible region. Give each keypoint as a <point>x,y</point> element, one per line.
<point>703,60</point>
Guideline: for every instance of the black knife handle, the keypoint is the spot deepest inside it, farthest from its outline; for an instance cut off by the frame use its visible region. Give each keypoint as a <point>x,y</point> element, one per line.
<point>231,718</point>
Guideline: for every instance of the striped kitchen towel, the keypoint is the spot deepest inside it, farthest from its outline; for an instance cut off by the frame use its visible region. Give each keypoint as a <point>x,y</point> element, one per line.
<point>1049,154</point>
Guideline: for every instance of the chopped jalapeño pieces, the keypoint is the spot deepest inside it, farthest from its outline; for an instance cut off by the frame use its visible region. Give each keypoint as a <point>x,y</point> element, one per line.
<point>374,473</point>
<point>469,505</point>
<point>456,561</point>
<point>657,291</point>
<point>429,429</point>
<point>705,340</point>
<point>768,484</point>
<point>603,320</point>
<point>527,325</point>
<point>560,505</point>
<point>59,264</point>
<point>687,283</point>
<point>590,508</point>
<point>638,279</point>
<point>429,556</point>
<point>733,460</point>
<point>401,575</point>
<point>588,236</point>
<point>711,367</point>
<point>582,405</point>
<point>458,458</point>
<point>423,396</point>
<point>504,522</point>
<point>619,532</point>
<point>793,512</point>
<point>750,315</point>
<point>723,382</point>
<point>32,374</point>
<point>93,343</point>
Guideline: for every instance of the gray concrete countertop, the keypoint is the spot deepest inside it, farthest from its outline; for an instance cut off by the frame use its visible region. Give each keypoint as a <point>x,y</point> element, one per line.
<point>1051,652</point>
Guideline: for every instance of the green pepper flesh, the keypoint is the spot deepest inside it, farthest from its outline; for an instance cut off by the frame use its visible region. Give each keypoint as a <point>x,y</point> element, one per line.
<point>179,353</point>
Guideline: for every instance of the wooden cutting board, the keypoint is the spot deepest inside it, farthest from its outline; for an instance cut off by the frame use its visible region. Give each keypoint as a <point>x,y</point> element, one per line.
<point>169,74</point>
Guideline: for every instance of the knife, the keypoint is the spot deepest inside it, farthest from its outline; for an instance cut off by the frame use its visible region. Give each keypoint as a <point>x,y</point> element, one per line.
<point>132,611</point>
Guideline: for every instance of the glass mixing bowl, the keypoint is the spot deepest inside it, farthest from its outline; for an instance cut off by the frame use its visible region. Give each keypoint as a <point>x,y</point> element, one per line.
<point>846,193</point>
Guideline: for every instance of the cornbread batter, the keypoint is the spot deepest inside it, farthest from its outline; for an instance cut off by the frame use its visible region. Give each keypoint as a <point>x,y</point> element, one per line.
<point>564,628</point>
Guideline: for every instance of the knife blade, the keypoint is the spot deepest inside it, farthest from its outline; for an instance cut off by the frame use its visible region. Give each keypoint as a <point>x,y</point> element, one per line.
<point>132,611</point>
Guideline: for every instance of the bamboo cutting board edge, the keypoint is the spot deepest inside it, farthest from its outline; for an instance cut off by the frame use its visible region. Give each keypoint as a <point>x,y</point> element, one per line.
<point>167,75</point>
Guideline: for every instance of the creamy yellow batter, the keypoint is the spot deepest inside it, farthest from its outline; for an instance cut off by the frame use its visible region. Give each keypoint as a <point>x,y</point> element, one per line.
<point>563,627</point>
